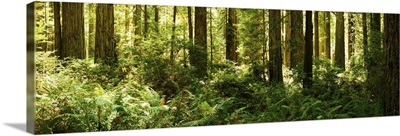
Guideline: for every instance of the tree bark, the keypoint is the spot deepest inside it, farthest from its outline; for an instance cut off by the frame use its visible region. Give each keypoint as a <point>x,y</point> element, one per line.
<point>198,53</point>
<point>365,36</point>
<point>286,47</point>
<point>173,35</point>
<point>231,46</point>
<point>316,34</point>
<point>73,39</point>
<point>307,81</point>
<point>57,29</point>
<point>137,21</point>
<point>351,37</point>
<point>275,51</point>
<point>339,48</point>
<point>146,23</point>
<point>391,69</point>
<point>296,38</point>
<point>156,18</point>
<point>328,35</point>
<point>105,41</point>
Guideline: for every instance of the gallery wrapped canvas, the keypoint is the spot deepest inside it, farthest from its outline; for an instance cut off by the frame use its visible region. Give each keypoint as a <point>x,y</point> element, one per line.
<point>107,67</point>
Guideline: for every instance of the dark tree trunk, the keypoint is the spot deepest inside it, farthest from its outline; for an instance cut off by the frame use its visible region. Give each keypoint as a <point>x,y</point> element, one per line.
<point>211,37</point>
<point>156,18</point>
<point>365,36</point>
<point>339,47</point>
<point>146,23</point>
<point>198,53</point>
<point>307,82</point>
<point>231,46</point>
<point>138,29</point>
<point>57,29</point>
<point>328,35</point>
<point>190,23</point>
<point>171,57</point>
<point>275,51</point>
<point>73,39</point>
<point>286,47</point>
<point>391,46</point>
<point>105,41</point>
<point>296,38</point>
<point>316,34</point>
<point>351,36</point>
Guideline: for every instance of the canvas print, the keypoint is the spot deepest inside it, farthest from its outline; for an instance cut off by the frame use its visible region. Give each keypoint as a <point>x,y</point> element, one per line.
<point>107,67</point>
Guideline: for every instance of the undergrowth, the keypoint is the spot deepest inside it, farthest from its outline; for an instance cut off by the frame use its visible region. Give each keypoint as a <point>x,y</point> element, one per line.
<point>79,96</point>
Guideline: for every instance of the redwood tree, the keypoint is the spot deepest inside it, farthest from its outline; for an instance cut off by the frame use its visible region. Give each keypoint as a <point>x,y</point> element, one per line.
<point>339,47</point>
<point>307,82</point>
<point>105,41</point>
<point>231,44</point>
<point>275,51</point>
<point>73,39</point>
<point>198,53</point>
<point>391,68</point>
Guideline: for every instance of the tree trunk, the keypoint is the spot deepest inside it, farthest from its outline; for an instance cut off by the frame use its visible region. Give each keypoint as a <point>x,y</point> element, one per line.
<point>92,29</point>
<point>286,47</point>
<point>146,23</point>
<point>73,39</point>
<point>231,46</point>
<point>57,29</point>
<point>296,38</point>
<point>275,51</point>
<point>351,37</point>
<point>365,36</point>
<point>339,47</point>
<point>391,69</point>
<point>307,82</point>
<point>138,29</point>
<point>171,57</point>
<point>156,18</point>
<point>105,42</point>
<point>211,37</point>
<point>316,34</point>
<point>198,53</point>
<point>127,22</point>
<point>328,35</point>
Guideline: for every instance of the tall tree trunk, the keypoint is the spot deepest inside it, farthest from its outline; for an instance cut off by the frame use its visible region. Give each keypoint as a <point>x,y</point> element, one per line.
<point>316,34</point>
<point>391,69</point>
<point>73,39</point>
<point>296,38</point>
<point>171,57</point>
<point>264,48</point>
<point>328,35</point>
<point>127,22</point>
<point>105,42</point>
<point>351,37</point>
<point>46,45</point>
<point>190,31</point>
<point>57,29</point>
<point>339,47</point>
<point>275,51</point>
<point>286,47</point>
<point>146,23</point>
<point>307,82</point>
<point>137,21</point>
<point>211,37</point>
<point>156,18</point>
<point>231,28</point>
<point>92,29</point>
<point>365,36</point>
<point>198,53</point>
